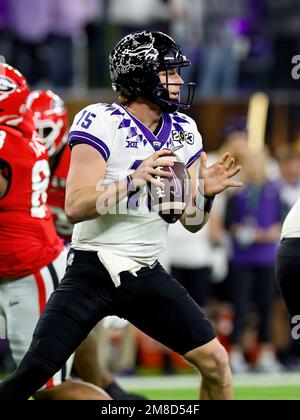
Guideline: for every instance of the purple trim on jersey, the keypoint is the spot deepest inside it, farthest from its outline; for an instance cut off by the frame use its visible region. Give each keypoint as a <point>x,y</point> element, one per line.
<point>83,137</point>
<point>193,158</point>
<point>157,142</point>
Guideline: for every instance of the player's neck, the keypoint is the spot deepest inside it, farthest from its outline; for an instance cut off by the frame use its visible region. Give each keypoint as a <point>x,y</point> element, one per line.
<point>147,112</point>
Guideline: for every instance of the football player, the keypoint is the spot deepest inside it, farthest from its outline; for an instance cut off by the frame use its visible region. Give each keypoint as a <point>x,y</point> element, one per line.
<point>51,121</point>
<point>118,149</point>
<point>32,256</point>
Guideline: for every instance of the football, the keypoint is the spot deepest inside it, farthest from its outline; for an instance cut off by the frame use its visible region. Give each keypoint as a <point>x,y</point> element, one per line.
<point>170,202</point>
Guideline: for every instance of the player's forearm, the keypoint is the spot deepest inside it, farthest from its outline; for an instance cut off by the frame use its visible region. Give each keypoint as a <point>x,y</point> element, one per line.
<point>89,202</point>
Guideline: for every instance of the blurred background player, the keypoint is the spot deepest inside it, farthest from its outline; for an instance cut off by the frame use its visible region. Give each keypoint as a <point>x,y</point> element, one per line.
<point>32,256</point>
<point>51,121</point>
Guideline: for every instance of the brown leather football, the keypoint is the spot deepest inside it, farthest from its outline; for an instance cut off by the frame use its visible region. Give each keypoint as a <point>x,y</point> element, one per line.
<point>170,202</point>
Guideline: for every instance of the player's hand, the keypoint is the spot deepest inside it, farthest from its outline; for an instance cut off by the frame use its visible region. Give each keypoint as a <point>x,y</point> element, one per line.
<point>217,177</point>
<point>151,168</point>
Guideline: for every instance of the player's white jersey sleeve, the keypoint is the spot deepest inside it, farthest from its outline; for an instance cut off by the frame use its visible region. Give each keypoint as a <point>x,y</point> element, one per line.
<point>89,127</point>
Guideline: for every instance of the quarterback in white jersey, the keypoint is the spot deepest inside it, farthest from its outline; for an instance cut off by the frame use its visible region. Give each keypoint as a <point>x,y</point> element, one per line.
<point>288,265</point>
<point>112,266</point>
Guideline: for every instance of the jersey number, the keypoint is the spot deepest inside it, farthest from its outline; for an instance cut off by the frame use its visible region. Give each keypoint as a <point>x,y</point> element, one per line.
<point>40,181</point>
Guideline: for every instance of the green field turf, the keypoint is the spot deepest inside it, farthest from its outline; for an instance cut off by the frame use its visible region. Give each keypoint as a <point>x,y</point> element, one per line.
<point>241,393</point>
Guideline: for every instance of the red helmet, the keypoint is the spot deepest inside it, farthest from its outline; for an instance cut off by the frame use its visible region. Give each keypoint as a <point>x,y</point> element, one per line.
<point>50,117</point>
<point>13,93</point>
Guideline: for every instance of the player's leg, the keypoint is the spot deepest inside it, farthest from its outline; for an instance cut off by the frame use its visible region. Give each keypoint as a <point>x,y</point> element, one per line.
<point>160,307</point>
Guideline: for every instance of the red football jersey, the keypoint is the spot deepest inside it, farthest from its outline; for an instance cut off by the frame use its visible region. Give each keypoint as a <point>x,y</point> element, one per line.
<point>57,191</point>
<point>28,239</point>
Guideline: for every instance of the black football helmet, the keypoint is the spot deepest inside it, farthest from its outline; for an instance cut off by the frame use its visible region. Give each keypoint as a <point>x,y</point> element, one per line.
<point>134,64</point>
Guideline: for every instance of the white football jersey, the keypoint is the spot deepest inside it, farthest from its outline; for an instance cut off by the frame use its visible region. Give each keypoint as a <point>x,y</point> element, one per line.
<point>130,229</point>
<point>291,225</point>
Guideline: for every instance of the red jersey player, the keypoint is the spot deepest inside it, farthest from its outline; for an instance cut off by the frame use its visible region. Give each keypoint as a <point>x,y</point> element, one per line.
<point>32,256</point>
